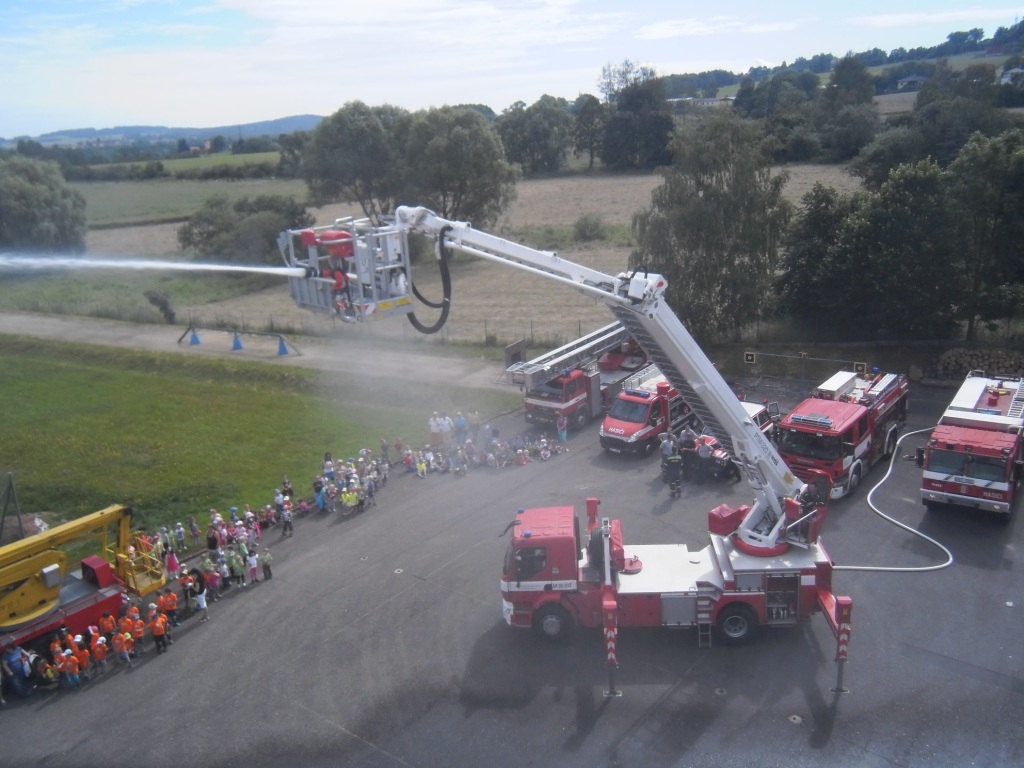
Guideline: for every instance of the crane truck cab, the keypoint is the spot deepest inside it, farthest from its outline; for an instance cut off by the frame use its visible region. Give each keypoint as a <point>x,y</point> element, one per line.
<point>557,577</point>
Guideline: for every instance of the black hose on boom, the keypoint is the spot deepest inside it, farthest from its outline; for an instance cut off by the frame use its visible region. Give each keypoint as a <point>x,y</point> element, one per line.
<point>446,289</point>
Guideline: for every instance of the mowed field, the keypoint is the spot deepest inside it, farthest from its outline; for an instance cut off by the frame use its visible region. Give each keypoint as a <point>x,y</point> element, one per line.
<point>488,300</point>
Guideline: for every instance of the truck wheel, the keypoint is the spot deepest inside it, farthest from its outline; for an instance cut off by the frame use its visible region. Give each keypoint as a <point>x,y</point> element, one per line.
<point>854,480</point>
<point>890,446</point>
<point>737,624</point>
<point>581,418</point>
<point>552,623</point>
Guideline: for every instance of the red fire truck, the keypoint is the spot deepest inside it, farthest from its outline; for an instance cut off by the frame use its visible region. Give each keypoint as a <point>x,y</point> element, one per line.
<point>849,423</point>
<point>555,578</point>
<point>764,565</point>
<point>579,379</point>
<point>975,453</point>
<point>645,409</point>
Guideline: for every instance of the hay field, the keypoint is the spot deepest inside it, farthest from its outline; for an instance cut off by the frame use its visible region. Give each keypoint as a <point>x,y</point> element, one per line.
<point>488,300</point>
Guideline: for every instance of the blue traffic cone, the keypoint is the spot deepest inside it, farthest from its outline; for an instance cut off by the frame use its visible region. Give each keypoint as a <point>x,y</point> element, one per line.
<point>195,338</point>
<point>237,343</point>
<point>282,348</point>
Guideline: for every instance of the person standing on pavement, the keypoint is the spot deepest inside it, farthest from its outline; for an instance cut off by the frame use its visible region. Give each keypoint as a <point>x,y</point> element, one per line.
<point>286,523</point>
<point>562,425</point>
<point>158,628</point>
<point>704,454</point>
<point>265,560</point>
<point>107,625</point>
<point>13,665</point>
<point>434,425</point>
<point>667,446</point>
<point>200,586</point>
<point>688,450</point>
<point>447,428</point>
<point>168,604</point>
<point>99,654</point>
<point>673,471</point>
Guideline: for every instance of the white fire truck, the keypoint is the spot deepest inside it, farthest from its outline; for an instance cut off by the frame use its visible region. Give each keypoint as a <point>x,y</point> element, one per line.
<point>975,453</point>
<point>849,423</point>
<point>764,565</point>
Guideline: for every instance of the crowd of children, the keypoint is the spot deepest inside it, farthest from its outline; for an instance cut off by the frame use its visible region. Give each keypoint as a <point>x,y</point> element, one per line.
<point>235,556</point>
<point>492,451</point>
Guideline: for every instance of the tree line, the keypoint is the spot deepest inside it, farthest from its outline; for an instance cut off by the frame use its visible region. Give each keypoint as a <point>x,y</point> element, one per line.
<point>932,244</point>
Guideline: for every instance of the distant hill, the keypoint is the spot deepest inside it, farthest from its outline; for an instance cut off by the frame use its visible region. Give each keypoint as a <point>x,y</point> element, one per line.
<point>146,133</point>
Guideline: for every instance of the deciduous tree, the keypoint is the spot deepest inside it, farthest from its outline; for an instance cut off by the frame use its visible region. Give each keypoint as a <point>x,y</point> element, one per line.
<point>986,185</point>
<point>245,230</point>
<point>356,155</point>
<point>456,166</point>
<point>714,226</point>
<point>537,137</point>
<point>38,210</point>
<point>588,126</point>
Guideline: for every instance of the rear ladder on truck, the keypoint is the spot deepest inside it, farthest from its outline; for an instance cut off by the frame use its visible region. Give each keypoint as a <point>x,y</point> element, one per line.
<point>575,354</point>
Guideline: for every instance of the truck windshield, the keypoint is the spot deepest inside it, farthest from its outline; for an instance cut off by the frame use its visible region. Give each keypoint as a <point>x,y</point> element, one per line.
<point>810,445</point>
<point>552,389</point>
<point>986,468</point>
<point>946,462</point>
<point>507,568</point>
<point>990,468</point>
<point>627,410</point>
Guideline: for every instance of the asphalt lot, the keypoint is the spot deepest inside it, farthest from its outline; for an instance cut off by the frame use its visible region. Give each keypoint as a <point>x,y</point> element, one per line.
<point>379,642</point>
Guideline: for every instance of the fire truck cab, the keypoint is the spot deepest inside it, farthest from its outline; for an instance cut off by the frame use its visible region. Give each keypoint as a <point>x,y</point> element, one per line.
<point>850,422</point>
<point>975,453</point>
<point>646,408</point>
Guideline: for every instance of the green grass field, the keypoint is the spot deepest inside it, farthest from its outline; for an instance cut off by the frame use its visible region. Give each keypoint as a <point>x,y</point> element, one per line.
<point>199,162</point>
<point>126,203</point>
<point>84,427</point>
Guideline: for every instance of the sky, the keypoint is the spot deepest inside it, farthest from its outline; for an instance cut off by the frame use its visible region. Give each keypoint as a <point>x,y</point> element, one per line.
<point>208,63</point>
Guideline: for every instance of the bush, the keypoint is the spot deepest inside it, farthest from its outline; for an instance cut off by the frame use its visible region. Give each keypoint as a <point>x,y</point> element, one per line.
<point>590,227</point>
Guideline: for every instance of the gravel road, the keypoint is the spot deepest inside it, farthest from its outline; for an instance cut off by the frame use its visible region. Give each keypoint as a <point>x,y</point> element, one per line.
<point>391,358</point>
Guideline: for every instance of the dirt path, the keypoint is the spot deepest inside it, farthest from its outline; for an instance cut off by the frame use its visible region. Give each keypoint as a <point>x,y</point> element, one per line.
<point>393,359</point>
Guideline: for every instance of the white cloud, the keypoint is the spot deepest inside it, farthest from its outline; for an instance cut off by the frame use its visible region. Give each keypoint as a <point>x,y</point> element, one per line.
<point>714,25</point>
<point>969,15</point>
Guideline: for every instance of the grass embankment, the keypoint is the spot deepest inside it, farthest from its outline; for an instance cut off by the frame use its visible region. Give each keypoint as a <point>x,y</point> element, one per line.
<point>85,427</point>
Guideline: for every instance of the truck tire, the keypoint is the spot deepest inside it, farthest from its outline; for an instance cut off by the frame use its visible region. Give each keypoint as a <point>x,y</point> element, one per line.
<point>854,480</point>
<point>581,418</point>
<point>890,445</point>
<point>737,624</point>
<point>553,623</point>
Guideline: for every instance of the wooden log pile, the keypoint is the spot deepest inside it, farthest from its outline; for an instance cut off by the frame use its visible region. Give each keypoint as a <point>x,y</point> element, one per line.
<point>956,363</point>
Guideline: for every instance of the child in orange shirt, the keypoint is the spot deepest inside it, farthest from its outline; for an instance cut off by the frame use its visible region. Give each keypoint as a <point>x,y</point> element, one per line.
<point>71,669</point>
<point>139,636</point>
<point>83,657</point>
<point>99,654</point>
<point>119,645</point>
